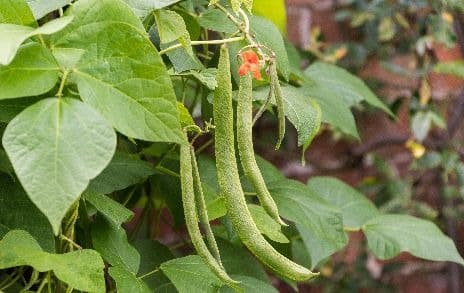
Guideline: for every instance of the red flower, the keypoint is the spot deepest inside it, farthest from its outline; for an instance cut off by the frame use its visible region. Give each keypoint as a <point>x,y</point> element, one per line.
<point>250,64</point>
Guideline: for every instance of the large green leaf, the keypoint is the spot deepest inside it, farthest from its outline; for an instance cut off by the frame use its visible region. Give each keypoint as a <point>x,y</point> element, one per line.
<point>126,281</point>
<point>90,14</point>
<point>123,171</point>
<point>82,269</point>
<point>56,146</point>
<point>13,35</point>
<point>17,212</point>
<point>388,235</point>
<point>191,274</point>
<point>335,111</point>
<point>268,34</point>
<point>40,8</point>
<point>111,209</point>
<point>16,12</point>
<point>451,67</point>
<point>349,87</point>
<point>110,240</point>
<point>33,72</point>
<point>128,85</point>
<point>356,208</point>
<point>320,224</point>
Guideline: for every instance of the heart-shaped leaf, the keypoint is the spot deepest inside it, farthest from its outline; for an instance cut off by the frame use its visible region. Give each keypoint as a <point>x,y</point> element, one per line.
<point>56,146</point>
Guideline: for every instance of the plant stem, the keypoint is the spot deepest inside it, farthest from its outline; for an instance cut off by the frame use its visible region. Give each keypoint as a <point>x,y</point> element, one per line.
<point>43,283</point>
<point>13,280</point>
<point>167,171</point>
<point>209,42</point>
<point>32,280</point>
<point>70,241</point>
<point>59,94</point>
<point>149,273</point>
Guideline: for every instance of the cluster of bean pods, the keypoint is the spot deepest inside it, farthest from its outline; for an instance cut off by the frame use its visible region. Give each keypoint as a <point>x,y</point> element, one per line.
<point>229,181</point>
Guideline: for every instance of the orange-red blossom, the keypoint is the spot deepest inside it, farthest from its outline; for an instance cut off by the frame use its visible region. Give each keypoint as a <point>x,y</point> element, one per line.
<point>250,63</point>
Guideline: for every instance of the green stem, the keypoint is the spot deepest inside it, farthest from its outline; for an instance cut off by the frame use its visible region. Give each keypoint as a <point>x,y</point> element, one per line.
<point>13,280</point>
<point>149,273</point>
<point>167,171</point>
<point>209,42</point>
<point>42,284</point>
<point>59,94</point>
<point>70,241</point>
<point>32,280</point>
<point>204,146</point>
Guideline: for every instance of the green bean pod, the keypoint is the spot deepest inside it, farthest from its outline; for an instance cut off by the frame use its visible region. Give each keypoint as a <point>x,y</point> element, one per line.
<point>229,181</point>
<point>191,217</point>
<point>202,211</point>
<point>245,147</point>
<point>275,84</point>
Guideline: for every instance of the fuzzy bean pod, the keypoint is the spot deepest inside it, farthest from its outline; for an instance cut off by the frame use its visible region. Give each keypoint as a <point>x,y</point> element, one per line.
<point>245,147</point>
<point>275,85</point>
<point>229,180</point>
<point>191,217</point>
<point>202,211</point>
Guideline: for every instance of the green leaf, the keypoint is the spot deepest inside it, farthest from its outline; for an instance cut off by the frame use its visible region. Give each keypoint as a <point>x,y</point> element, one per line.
<point>143,7</point>
<point>268,34</point>
<point>33,72</point>
<point>16,12</point>
<point>13,35</point>
<point>5,165</point>
<point>185,117</point>
<point>239,261</point>
<point>320,224</point>
<point>81,269</point>
<point>56,146</point>
<point>127,281</point>
<point>17,212</point>
<point>349,87</point>
<point>95,13</point>
<point>11,107</point>
<point>110,240</point>
<point>266,224</point>
<point>335,111</point>
<point>40,8</point>
<point>388,235</point>
<point>275,11</point>
<point>171,27</point>
<point>214,19</point>
<point>206,77</point>
<point>356,208</point>
<point>111,209</point>
<point>451,67</point>
<point>123,171</point>
<point>302,111</point>
<point>250,285</point>
<point>191,274</point>
<point>152,255</point>
<point>128,85</point>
